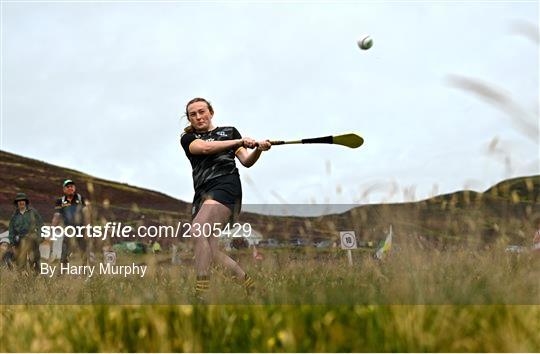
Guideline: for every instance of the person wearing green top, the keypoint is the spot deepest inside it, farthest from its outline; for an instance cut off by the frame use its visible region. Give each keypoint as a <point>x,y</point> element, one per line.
<point>25,232</point>
<point>156,247</point>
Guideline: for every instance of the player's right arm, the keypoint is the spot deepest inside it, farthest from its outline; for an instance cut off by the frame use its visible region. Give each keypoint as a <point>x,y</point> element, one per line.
<point>201,147</point>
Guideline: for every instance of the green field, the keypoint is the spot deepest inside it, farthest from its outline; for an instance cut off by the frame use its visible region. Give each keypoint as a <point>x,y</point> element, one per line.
<point>408,276</point>
<point>416,300</point>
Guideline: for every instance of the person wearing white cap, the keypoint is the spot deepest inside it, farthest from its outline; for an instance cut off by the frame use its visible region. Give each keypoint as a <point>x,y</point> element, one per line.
<point>71,208</point>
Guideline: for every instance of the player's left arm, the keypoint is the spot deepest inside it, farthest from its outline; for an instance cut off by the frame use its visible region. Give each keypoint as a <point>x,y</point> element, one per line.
<point>248,158</point>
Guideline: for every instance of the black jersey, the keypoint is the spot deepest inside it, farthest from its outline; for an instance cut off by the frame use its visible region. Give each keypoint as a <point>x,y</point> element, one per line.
<point>71,211</point>
<point>207,167</point>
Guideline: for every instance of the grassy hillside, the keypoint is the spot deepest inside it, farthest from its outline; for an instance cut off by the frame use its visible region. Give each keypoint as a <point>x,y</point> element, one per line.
<point>111,200</point>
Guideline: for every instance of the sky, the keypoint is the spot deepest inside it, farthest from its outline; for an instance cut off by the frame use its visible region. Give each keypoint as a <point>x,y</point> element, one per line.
<point>446,99</point>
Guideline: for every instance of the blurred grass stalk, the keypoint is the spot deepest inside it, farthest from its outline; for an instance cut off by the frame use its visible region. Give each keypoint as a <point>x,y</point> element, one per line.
<point>303,328</point>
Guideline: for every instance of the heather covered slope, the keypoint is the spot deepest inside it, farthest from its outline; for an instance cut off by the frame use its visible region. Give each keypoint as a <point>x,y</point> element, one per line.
<point>505,211</point>
<point>42,183</point>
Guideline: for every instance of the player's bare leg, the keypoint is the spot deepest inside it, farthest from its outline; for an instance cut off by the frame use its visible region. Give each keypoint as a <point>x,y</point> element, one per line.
<point>207,248</point>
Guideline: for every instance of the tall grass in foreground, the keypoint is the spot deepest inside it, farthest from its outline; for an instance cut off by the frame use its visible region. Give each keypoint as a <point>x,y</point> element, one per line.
<point>458,282</point>
<point>302,328</point>
<point>409,276</point>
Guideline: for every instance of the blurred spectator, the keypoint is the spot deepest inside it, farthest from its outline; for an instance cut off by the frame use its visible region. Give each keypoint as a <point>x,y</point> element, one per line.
<point>156,247</point>
<point>536,239</point>
<point>6,254</point>
<point>239,243</point>
<point>25,233</point>
<point>258,256</point>
<point>72,210</point>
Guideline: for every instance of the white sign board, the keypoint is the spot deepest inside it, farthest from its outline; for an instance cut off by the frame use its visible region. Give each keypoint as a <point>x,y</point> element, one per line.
<point>109,257</point>
<point>45,250</point>
<point>348,240</point>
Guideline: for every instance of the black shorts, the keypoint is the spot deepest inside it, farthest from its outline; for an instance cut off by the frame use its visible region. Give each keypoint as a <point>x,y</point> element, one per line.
<point>226,190</point>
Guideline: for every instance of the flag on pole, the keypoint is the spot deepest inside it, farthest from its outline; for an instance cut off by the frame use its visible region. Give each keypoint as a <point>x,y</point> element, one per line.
<point>386,246</point>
